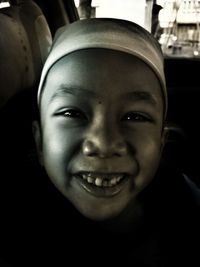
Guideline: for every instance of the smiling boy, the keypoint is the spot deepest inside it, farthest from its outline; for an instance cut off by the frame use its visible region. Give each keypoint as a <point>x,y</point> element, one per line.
<point>102,100</point>
<point>102,131</point>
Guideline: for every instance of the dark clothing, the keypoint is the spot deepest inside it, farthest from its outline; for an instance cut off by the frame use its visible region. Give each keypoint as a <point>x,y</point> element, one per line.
<point>40,228</point>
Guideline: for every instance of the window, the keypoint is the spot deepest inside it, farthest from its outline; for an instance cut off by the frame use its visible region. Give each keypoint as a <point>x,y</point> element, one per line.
<point>179,20</point>
<point>4,4</point>
<point>133,10</point>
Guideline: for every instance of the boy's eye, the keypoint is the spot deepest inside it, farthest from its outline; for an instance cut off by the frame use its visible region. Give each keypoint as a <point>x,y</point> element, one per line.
<point>136,117</point>
<point>73,114</point>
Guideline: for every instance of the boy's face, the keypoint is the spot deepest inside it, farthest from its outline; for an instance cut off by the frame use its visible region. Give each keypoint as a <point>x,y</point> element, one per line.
<point>101,129</point>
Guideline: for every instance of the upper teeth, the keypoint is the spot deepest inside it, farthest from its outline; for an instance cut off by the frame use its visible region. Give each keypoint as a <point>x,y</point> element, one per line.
<point>103,180</point>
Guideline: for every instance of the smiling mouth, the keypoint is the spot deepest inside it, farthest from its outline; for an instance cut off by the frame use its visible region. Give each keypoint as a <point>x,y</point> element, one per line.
<point>102,184</point>
<point>102,180</point>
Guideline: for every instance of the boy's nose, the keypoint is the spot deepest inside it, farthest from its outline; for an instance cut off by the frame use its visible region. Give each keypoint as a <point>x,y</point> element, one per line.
<point>104,145</point>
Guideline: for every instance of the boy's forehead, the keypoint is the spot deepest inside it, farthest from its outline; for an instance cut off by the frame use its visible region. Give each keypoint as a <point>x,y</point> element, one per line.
<point>113,34</point>
<point>84,74</point>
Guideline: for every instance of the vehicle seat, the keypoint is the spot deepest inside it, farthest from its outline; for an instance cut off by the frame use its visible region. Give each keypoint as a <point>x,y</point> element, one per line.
<point>25,40</point>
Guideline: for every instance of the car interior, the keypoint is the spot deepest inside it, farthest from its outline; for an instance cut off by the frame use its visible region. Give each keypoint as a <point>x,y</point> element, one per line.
<point>27,28</point>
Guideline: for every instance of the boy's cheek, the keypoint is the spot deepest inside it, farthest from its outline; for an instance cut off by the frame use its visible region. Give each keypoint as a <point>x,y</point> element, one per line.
<point>58,147</point>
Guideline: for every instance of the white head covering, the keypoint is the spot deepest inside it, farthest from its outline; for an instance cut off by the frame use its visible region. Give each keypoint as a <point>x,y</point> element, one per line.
<point>114,34</point>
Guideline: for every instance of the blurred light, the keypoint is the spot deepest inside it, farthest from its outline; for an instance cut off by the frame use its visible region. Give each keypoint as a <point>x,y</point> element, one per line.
<point>76,3</point>
<point>4,4</point>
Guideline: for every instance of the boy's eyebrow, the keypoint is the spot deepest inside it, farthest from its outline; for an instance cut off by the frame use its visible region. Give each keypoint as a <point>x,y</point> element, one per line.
<point>141,96</point>
<point>73,90</point>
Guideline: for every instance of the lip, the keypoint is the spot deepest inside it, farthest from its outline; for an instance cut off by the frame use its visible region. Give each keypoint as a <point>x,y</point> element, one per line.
<point>103,192</point>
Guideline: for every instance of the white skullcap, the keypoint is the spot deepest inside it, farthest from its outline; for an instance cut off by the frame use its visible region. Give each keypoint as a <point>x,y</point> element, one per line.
<point>114,34</point>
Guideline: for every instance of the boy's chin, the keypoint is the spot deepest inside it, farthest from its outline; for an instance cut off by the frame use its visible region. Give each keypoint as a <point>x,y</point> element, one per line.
<point>99,216</point>
<point>100,212</point>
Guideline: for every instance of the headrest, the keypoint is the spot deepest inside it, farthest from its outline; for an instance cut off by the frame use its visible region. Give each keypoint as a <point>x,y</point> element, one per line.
<point>25,40</point>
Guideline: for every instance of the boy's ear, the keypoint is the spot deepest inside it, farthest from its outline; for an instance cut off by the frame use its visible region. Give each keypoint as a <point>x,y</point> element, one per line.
<point>174,129</point>
<point>165,134</point>
<point>38,140</point>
